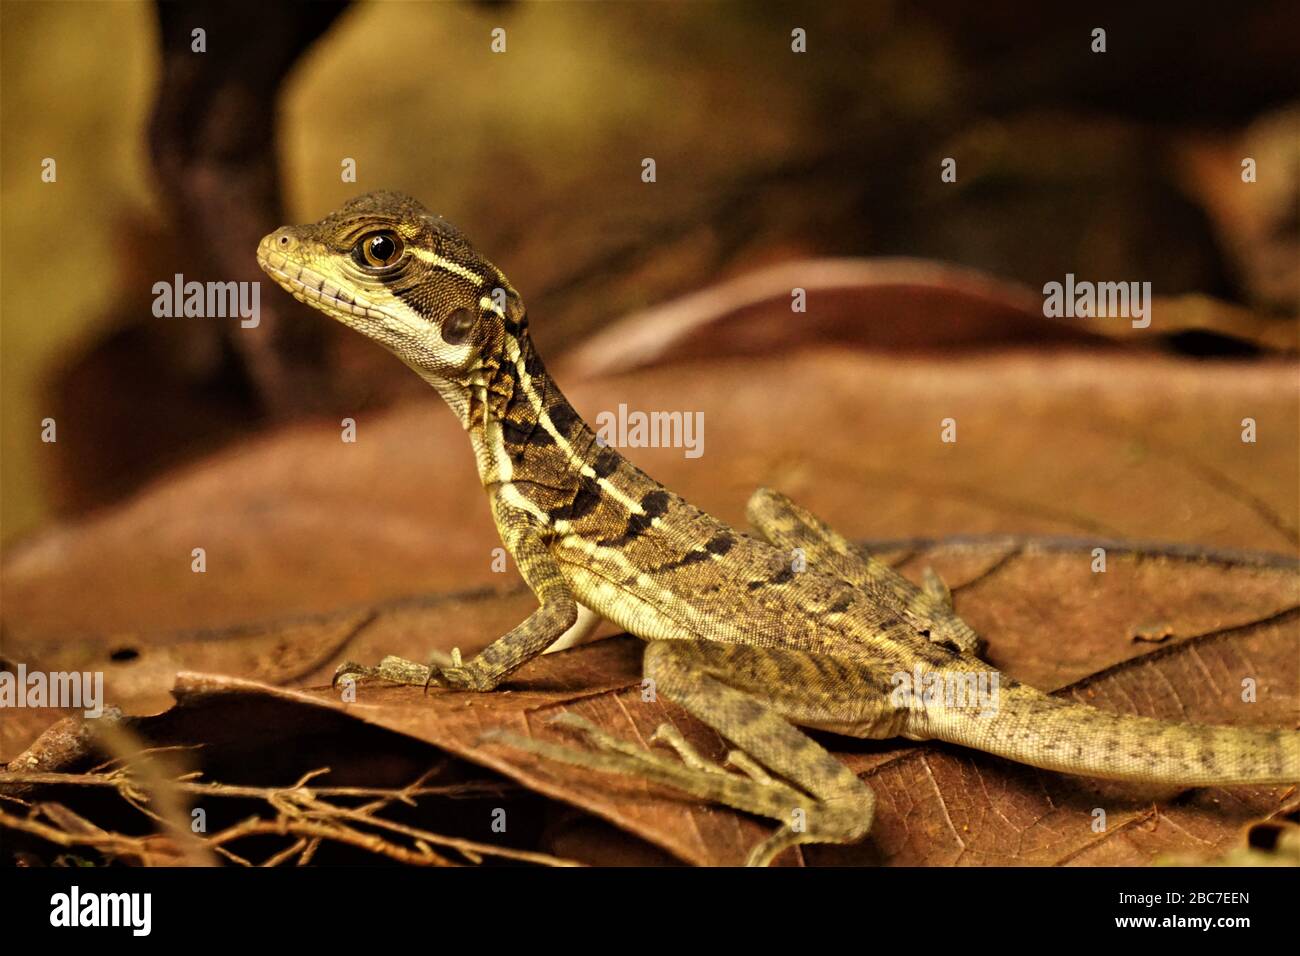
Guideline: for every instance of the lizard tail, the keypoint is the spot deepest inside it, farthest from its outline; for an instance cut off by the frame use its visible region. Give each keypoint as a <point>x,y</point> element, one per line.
<point>1030,727</point>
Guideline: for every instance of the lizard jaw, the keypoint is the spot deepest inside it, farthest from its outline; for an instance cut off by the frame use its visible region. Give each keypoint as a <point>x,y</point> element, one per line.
<point>315,290</point>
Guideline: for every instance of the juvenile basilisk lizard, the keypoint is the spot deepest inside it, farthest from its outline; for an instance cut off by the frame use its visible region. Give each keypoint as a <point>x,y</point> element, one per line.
<point>736,635</point>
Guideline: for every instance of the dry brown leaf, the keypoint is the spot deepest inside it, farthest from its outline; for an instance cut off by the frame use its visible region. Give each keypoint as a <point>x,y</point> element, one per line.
<point>1233,617</point>
<point>904,305</point>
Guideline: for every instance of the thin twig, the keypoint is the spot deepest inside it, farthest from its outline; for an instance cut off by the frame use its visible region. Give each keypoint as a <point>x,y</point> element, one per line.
<point>481,788</point>
<point>301,812</point>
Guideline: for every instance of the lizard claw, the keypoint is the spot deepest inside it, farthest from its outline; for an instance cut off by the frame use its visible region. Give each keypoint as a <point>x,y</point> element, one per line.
<point>441,669</point>
<point>351,669</point>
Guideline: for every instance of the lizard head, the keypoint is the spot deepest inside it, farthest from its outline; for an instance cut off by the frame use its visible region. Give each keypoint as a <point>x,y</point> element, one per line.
<point>384,265</point>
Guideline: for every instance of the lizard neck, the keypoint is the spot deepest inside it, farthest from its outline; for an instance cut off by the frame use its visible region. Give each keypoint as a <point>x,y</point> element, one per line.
<point>522,428</point>
<point>536,455</point>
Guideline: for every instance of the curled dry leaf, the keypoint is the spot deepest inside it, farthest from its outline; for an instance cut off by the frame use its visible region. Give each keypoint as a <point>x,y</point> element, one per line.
<point>907,305</point>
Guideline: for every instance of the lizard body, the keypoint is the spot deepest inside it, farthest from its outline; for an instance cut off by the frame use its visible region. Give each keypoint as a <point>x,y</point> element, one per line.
<point>736,635</point>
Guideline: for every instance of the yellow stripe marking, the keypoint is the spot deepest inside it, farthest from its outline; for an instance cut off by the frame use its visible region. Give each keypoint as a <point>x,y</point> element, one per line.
<point>526,382</point>
<point>455,268</point>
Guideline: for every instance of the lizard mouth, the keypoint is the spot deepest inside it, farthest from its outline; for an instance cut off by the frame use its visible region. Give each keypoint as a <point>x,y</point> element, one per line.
<point>312,288</point>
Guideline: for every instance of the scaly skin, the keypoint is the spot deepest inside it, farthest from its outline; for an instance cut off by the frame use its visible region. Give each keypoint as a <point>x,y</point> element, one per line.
<point>741,633</point>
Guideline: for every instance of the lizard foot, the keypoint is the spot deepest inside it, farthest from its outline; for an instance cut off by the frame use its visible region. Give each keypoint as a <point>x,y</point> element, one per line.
<point>445,670</point>
<point>669,734</point>
<point>395,669</point>
<point>756,793</point>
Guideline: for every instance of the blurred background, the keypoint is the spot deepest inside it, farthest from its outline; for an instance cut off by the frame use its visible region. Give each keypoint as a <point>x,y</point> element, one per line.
<point>1117,165</point>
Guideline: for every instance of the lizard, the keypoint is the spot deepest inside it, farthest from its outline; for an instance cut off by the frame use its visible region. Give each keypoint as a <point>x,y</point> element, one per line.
<point>758,635</point>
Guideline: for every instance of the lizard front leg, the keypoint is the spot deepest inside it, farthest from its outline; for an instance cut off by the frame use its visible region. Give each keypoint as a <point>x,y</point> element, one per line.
<point>735,689</point>
<point>786,525</point>
<point>558,612</point>
<point>555,616</point>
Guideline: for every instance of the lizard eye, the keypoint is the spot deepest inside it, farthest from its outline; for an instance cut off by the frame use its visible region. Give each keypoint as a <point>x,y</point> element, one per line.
<point>457,326</point>
<point>378,250</point>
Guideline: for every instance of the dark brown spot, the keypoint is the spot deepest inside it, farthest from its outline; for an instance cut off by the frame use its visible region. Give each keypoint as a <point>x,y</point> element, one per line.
<point>655,503</point>
<point>517,433</point>
<point>690,557</point>
<point>606,464</point>
<point>636,525</point>
<point>585,500</point>
<point>562,417</point>
<point>720,543</point>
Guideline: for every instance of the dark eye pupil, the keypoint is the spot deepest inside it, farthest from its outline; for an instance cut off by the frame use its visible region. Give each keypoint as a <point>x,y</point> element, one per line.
<point>381,248</point>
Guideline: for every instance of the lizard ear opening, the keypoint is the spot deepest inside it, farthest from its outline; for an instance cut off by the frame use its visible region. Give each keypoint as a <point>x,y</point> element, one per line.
<point>458,326</point>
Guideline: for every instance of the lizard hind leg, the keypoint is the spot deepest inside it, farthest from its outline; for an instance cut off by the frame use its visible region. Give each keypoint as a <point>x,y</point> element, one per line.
<point>813,795</point>
<point>784,524</point>
<point>816,797</point>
